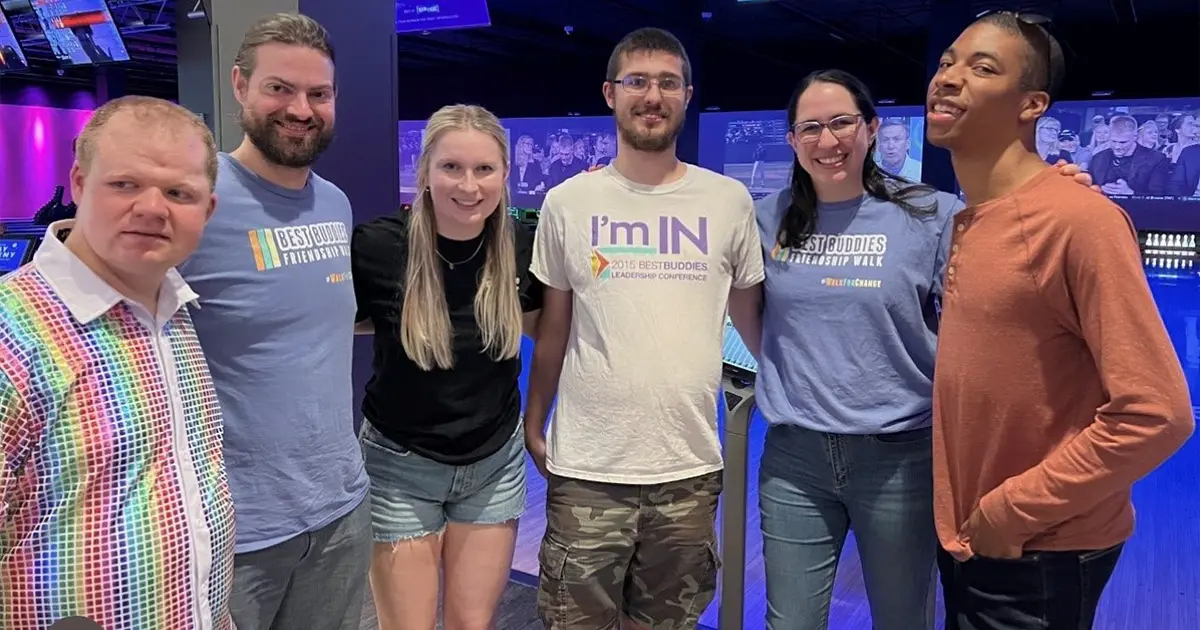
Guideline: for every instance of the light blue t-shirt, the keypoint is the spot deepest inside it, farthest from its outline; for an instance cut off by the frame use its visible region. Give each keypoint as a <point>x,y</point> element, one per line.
<point>850,320</point>
<point>276,321</point>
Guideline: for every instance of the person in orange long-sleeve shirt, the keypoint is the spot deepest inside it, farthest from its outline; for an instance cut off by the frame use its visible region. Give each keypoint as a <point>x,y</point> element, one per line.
<point>1056,386</point>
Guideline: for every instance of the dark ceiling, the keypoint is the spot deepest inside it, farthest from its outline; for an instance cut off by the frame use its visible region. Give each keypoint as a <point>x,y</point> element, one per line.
<point>880,27</point>
<point>747,53</point>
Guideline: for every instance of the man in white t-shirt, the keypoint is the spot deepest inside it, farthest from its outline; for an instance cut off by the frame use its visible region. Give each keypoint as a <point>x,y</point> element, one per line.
<point>640,260</point>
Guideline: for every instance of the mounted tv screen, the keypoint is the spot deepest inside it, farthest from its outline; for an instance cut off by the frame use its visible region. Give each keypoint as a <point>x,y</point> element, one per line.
<point>544,152</point>
<point>440,15</point>
<point>548,151</point>
<point>1143,153</point>
<point>12,56</point>
<point>13,253</point>
<point>752,147</point>
<point>81,32</point>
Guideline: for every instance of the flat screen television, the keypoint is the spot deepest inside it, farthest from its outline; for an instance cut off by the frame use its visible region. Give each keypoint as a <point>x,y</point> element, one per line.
<point>1143,153</point>
<point>14,252</point>
<point>434,15</point>
<point>12,55</point>
<point>81,32</point>
<point>752,147</point>
<point>543,152</point>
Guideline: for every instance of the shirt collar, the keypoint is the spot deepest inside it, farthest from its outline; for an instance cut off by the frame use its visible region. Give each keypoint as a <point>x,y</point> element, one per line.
<point>85,294</point>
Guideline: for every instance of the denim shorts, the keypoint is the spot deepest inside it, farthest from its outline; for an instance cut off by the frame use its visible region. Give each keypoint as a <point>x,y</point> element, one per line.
<point>413,496</point>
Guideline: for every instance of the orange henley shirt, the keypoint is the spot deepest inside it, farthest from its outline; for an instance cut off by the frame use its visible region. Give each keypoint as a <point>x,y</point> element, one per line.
<point>1056,386</point>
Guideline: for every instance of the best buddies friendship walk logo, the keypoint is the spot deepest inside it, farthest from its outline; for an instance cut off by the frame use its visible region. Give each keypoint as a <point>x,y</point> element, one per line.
<point>845,251</point>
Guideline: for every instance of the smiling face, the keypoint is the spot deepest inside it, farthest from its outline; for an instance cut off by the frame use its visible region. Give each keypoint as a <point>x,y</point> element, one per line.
<point>143,199</point>
<point>288,103</point>
<point>977,100</point>
<point>829,137</point>
<point>649,97</point>
<point>467,175</point>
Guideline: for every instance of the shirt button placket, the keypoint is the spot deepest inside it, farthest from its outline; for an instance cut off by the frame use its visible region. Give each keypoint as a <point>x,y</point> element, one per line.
<point>959,228</point>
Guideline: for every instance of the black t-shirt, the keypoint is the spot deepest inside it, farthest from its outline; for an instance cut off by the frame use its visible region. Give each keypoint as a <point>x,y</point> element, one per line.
<point>456,416</point>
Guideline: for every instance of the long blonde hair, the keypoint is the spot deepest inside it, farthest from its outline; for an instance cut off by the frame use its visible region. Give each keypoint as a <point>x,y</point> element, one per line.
<point>425,330</point>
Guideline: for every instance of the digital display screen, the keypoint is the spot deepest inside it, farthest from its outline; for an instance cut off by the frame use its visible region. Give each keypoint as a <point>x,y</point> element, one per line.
<point>80,32</point>
<point>12,57</point>
<point>433,15</point>
<point>1144,154</point>
<point>752,147</point>
<point>12,253</point>
<point>543,153</point>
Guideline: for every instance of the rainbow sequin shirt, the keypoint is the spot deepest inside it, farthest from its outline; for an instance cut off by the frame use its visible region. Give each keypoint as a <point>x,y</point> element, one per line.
<point>114,503</point>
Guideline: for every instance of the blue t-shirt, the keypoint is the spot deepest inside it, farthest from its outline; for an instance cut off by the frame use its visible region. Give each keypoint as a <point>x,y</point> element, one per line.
<point>850,320</point>
<point>276,321</point>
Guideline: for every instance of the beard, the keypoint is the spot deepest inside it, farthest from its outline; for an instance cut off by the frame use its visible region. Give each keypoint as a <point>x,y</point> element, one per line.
<point>657,140</point>
<point>283,150</point>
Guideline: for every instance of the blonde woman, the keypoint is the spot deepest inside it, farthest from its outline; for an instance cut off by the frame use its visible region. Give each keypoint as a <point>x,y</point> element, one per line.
<point>1147,135</point>
<point>447,291</point>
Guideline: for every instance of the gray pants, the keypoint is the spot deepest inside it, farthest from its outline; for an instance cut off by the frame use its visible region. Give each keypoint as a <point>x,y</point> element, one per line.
<point>315,581</point>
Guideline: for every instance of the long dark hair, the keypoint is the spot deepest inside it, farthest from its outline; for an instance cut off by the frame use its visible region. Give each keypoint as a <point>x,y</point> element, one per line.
<point>800,220</point>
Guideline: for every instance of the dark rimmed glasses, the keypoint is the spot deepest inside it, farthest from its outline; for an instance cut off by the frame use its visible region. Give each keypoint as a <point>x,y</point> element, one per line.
<point>841,127</point>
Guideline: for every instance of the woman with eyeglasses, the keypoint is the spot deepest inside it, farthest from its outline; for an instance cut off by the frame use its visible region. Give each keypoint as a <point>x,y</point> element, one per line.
<point>855,258</point>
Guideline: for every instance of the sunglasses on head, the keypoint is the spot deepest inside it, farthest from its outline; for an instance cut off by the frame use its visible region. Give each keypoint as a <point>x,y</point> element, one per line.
<point>1041,24</point>
<point>1033,19</point>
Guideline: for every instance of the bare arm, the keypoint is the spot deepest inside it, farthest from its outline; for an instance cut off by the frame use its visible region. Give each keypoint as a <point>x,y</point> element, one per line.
<point>553,327</point>
<point>746,289</point>
<point>365,327</point>
<point>553,331</point>
<point>745,309</point>
<point>529,323</point>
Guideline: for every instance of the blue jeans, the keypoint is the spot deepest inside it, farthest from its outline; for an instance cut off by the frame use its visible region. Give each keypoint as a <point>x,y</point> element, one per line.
<point>813,488</point>
<point>1041,590</point>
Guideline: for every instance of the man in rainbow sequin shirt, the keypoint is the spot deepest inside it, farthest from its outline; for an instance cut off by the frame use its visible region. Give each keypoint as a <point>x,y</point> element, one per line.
<point>114,504</point>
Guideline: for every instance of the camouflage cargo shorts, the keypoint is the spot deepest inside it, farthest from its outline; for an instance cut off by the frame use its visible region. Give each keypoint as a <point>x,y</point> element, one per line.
<point>645,553</point>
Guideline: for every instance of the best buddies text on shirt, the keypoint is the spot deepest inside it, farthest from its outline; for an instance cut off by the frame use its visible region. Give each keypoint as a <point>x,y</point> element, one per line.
<point>666,248</point>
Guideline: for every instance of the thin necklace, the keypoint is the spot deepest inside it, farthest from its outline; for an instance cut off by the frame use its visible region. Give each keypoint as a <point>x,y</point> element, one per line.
<point>469,258</point>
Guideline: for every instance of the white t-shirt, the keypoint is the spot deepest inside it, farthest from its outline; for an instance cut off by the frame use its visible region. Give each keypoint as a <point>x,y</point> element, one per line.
<point>650,268</point>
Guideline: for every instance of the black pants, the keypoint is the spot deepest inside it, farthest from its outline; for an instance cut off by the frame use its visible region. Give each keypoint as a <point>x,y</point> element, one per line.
<point>1042,590</point>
